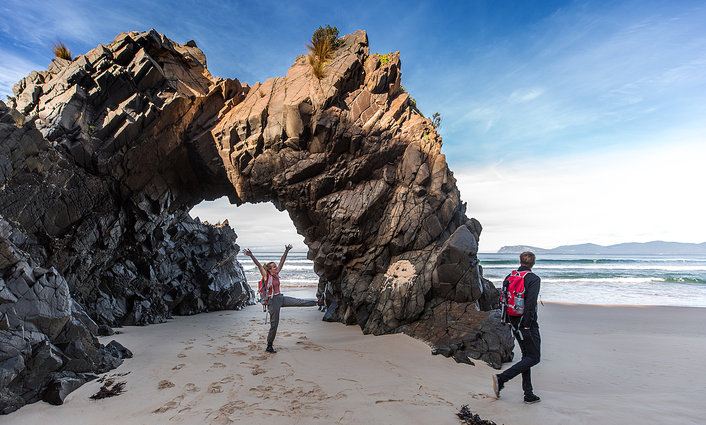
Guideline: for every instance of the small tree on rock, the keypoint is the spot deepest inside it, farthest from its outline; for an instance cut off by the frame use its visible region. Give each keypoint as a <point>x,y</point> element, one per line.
<point>61,51</point>
<point>436,120</point>
<point>323,43</point>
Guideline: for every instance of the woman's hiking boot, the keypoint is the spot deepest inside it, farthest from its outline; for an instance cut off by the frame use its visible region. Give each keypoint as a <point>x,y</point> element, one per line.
<point>498,385</point>
<point>269,349</point>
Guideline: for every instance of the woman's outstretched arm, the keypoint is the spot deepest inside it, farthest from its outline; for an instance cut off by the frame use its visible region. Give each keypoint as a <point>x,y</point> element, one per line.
<point>284,257</point>
<point>257,263</point>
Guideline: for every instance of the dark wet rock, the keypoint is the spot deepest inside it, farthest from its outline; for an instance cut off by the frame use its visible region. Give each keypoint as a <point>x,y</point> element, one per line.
<point>331,315</point>
<point>118,350</point>
<point>58,389</point>
<point>104,330</point>
<point>443,350</point>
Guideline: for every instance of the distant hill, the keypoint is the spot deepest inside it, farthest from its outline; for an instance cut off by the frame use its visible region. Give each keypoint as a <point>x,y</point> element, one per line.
<point>629,248</point>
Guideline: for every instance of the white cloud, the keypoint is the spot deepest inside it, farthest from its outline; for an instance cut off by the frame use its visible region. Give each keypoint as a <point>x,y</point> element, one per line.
<point>604,198</point>
<point>525,95</point>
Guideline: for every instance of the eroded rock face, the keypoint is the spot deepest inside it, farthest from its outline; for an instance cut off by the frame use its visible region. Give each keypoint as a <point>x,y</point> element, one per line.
<point>46,338</point>
<point>96,171</point>
<point>102,157</point>
<point>361,173</point>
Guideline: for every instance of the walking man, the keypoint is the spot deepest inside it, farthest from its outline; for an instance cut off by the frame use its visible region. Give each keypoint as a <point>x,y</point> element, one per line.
<point>519,308</point>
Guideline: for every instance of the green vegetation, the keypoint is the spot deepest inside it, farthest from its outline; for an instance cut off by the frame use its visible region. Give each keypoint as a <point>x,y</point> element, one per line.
<point>330,33</point>
<point>323,43</point>
<point>61,51</point>
<point>384,59</point>
<point>413,104</point>
<point>436,120</point>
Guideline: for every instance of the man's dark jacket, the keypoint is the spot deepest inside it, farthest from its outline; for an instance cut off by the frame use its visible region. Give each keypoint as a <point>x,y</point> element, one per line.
<point>529,318</point>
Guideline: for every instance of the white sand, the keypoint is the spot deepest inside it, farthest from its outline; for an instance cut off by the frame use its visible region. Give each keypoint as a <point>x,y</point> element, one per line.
<point>601,365</point>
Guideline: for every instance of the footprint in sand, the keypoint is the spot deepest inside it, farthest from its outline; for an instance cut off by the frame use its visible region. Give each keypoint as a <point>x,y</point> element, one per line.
<point>388,401</point>
<point>192,388</point>
<point>346,416</point>
<point>181,355</point>
<point>259,358</point>
<point>172,404</point>
<point>228,379</point>
<point>309,346</point>
<point>165,384</point>
<point>218,365</point>
<point>179,366</point>
<point>215,388</point>
<point>480,396</point>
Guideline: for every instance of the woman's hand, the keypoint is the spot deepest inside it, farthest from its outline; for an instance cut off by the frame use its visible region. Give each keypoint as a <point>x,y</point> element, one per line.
<point>247,252</point>
<point>288,247</point>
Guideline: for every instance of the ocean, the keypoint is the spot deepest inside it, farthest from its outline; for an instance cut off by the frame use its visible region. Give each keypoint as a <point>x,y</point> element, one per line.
<point>581,279</point>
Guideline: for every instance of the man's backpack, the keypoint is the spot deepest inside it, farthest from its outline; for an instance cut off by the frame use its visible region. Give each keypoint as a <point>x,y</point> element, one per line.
<point>512,296</point>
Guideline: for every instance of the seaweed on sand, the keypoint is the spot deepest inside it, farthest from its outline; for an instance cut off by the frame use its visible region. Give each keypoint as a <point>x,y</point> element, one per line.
<point>110,388</point>
<point>469,418</point>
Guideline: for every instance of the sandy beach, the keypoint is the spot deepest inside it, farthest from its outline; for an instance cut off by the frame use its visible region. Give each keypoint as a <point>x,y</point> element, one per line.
<point>601,365</point>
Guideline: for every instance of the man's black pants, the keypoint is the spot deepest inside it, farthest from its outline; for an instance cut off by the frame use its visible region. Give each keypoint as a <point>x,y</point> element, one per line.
<point>529,345</point>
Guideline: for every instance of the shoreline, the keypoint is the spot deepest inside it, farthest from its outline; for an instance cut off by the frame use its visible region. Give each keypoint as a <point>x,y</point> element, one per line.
<point>601,364</point>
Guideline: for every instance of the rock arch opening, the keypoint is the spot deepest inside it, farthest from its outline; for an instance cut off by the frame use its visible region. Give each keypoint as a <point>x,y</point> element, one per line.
<point>265,231</point>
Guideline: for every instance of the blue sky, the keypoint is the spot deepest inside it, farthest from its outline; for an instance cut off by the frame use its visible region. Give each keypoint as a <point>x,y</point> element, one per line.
<point>592,113</point>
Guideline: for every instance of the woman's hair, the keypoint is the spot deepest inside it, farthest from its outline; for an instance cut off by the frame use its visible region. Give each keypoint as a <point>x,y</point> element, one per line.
<point>269,265</point>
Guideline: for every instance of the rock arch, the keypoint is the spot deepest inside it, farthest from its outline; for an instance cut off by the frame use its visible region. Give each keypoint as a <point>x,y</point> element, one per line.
<point>103,156</point>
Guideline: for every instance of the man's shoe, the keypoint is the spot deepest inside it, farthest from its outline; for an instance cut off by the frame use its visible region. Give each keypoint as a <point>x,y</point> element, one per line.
<point>498,385</point>
<point>269,349</point>
<point>531,399</point>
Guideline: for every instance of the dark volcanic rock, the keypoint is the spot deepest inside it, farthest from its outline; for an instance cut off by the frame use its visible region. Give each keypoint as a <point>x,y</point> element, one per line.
<point>46,340</point>
<point>102,157</point>
<point>98,169</point>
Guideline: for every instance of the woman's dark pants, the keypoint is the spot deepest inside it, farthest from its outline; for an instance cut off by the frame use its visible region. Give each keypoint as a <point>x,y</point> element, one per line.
<point>276,303</point>
<point>529,345</point>
<point>273,308</point>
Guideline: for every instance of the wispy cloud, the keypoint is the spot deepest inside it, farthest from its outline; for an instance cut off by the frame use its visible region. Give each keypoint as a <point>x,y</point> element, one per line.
<point>525,95</point>
<point>13,69</point>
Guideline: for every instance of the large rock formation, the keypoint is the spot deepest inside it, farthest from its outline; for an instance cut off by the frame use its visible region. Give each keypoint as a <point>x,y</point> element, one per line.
<point>102,157</point>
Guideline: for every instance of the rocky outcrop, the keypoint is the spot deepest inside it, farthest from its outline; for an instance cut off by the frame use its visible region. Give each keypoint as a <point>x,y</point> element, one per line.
<point>47,341</point>
<point>102,157</point>
<point>95,171</point>
<point>361,173</point>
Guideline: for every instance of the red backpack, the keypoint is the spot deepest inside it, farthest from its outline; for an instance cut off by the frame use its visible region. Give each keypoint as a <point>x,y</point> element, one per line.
<point>263,292</point>
<point>513,295</point>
